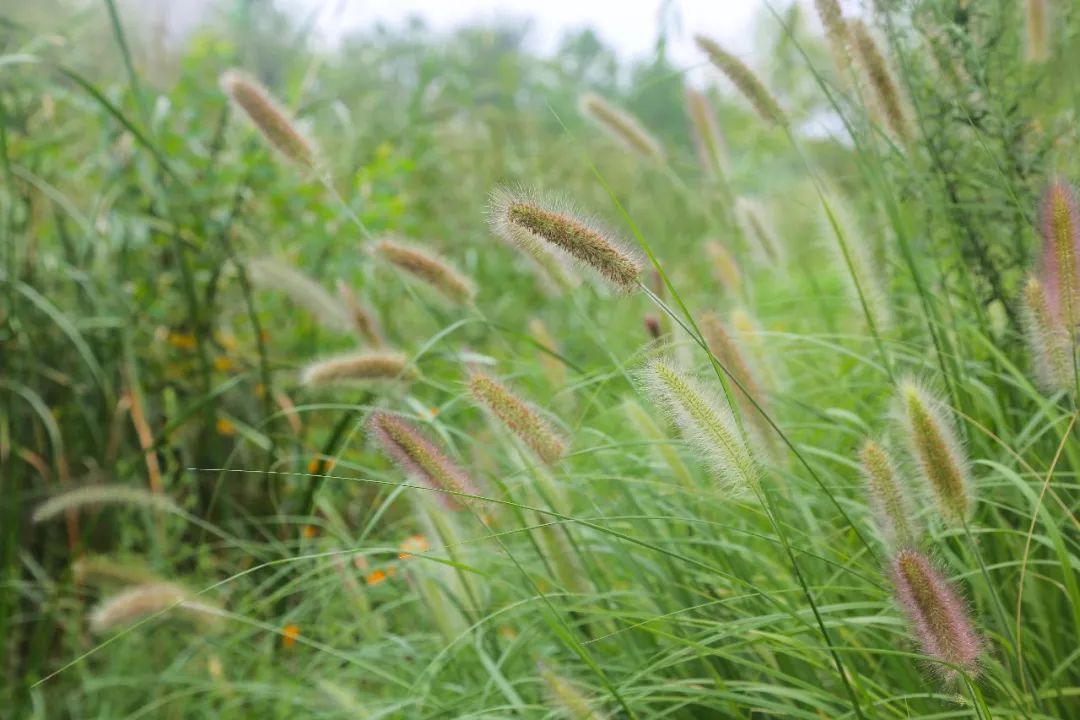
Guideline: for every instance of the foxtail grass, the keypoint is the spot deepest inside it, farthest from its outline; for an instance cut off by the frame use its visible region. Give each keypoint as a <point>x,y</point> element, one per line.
<point>890,500</point>
<point>275,125</point>
<point>435,271</point>
<point>358,368</point>
<point>620,125</point>
<point>525,220</point>
<point>1048,341</point>
<point>938,615</point>
<point>1037,30</point>
<point>420,459</point>
<point>363,319</point>
<point>518,416</point>
<point>142,601</point>
<point>97,495</point>
<point>271,275</point>
<point>744,79</point>
<point>937,450</point>
<point>706,424</point>
<point>708,140</point>
<point>567,698</point>
<point>886,91</point>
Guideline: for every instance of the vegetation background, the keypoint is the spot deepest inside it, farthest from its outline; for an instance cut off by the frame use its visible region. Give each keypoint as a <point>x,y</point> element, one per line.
<point>857,244</point>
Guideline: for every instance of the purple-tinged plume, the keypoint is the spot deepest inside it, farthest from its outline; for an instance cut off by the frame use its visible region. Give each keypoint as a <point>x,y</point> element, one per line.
<point>937,613</point>
<point>421,459</point>
<point>1060,226</point>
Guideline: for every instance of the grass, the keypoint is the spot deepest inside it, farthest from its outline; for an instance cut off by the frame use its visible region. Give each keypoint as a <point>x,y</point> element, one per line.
<point>618,577</point>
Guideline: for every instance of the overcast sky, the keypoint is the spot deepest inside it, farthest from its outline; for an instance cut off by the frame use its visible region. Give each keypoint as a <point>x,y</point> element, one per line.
<point>627,25</point>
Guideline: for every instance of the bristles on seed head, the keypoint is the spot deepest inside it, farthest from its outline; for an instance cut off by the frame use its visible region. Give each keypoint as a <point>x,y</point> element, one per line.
<point>363,319</point>
<point>419,458</point>
<point>704,422</point>
<point>1060,263</point>
<point>142,601</point>
<point>708,140</point>
<point>881,79</point>
<point>620,125</point>
<point>744,79</point>
<point>429,267</point>
<point>273,122</point>
<point>271,275</point>
<point>528,221</point>
<point>862,274</point>
<point>889,500</point>
<point>938,614</point>
<point>95,495</point>
<point>1048,341</point>
<point>358,368</point>
<point>517,415</point>
<point>934,444</point>
<point>566,697</point>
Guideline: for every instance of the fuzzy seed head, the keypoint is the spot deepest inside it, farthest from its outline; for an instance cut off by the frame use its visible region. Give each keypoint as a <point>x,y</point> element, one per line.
<point>363,319</point>
<point>893,513</point>
<point>705,423</point>
<point>1037,27</point>
<point>273,122</point>
<point>357,368</point>
<point>744,79</point>
<point>937,613</point>
<point>620,125</point>
<point>862,273</point>
<point>527,222</point>
<point>886,91</point>
<point>269,274</point>
<point>1048,341</point>
<point>429,267</point>
<point>96,495</point>
<point>709,142</point>
<point>832,19</point>
<point>565,696</point>
<point>141,601</point>
<point>725,268</point>
<point>419,458</point>
<point>517,416</point>
<point>937,449</point>
<point>1061,252</point>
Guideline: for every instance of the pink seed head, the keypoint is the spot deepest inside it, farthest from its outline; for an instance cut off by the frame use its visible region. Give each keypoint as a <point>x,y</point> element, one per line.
<point>938,615</point>
<point>1060,227</point>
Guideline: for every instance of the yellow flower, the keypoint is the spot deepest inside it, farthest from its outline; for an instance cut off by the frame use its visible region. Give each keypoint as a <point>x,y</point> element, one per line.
<point>222,363</point>
<point>182,340</point>
<point>225,427</point>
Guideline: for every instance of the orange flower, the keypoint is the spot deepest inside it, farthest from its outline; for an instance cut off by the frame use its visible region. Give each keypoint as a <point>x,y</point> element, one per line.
<point>225,427</point>
<point>309,532</point>
<point>319,466</point>
<point>376,577</point>
<point>289,633</point>
<point>413,544</point>
<point>222,363</point>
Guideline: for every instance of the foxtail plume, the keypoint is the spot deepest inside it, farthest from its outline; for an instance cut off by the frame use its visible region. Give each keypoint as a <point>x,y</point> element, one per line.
<point>709,142</point>
<point>937,449</point>
<point>269,274</point>
<point>274,123</point>
<point>1049,342</point>
<point>517,217</point>
<point>937,613</point>
<point>429,267</point>
<point>620,125</point>
<point>517,416</point>
<point>141,601</point>
<point>744,79</point>
<point>705,423</point>
<point>93,495</point>
<point>891,505</point>
<point>419,458</point>
<point>357,368</point>
<point>881,79</point>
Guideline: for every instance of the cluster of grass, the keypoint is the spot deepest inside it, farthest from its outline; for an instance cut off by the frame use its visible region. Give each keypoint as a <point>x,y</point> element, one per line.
<point>442,380</point>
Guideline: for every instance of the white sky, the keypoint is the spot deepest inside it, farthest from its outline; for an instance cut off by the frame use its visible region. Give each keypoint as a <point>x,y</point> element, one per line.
<point>627,25</point>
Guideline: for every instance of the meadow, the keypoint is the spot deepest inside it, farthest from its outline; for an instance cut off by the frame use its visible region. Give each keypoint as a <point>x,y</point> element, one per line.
<point>429,376</point>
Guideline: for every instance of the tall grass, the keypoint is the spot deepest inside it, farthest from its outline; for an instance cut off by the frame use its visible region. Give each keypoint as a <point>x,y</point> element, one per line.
<point>469,486</point>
